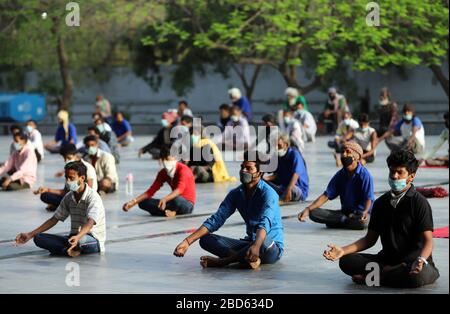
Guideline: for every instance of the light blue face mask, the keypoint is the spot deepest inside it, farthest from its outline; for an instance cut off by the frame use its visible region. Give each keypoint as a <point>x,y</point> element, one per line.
<point>407,117</point>
<point>347,122</point>
<point>164,123</point>
<point>92,150</point>
<point>73,185</point>
<point>18,146</point>
<point>365,129</point>
<point>29,129</point>
<point>101,128</point>
<point>195,139</point>
<point>287,120</point>
<point>397,185</point>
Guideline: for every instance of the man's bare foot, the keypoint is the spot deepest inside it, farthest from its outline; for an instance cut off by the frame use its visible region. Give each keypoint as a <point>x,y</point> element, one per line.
<point>359,279</point>
<point>170,213</point>
<point>210,261</point>
<point>251,265</point>
<point>74,252</point>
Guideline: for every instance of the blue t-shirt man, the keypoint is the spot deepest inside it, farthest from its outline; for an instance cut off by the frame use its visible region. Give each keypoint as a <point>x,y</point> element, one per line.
<point>245,106</point>
<point>292,162</point>
<point>353,192</point>
<point>262,212</point>
<point>121,127</point>
<point>60,135</point>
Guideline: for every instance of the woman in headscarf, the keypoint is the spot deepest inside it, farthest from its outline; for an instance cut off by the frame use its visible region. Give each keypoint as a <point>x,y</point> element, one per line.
<point>65,134</point>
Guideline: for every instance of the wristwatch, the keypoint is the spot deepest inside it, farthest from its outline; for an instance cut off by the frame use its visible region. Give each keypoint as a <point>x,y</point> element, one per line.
<point>423,259</point>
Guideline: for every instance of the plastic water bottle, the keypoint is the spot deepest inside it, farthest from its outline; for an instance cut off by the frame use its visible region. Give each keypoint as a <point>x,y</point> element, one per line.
<point>129,185</point>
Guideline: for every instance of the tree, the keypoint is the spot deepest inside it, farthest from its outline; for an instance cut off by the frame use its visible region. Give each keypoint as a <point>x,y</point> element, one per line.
<point>30,40</point>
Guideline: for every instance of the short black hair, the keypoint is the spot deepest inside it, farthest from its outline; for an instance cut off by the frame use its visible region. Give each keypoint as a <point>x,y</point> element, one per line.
<point>183,102</point>
<point>403,158</point>
<point>164,152</point>
<point>225,107</point>
<point>187,119</point>
<point>89,138</point>
<point>68,149</point>
<point>15,128</point>
<point>254,156</point>
<point>32,121</point>
<point>408,107</point>
<point>78,166</point>
<point>101,119</point>
<point>446,116</point>
<point>269,118</point>
<point>364,118</point>
<point>93,128</point>
<point>117,113</point>
<point>20,134</point>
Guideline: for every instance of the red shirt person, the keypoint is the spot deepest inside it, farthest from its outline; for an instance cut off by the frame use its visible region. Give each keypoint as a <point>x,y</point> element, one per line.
<point>181,180</point>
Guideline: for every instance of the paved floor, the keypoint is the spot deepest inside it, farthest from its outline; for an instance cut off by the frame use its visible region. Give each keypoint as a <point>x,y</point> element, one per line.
<point>139,251</point>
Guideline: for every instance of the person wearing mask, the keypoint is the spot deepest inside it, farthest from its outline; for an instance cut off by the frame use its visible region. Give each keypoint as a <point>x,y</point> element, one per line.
<point>162,138</point>
<point>109,137</point>
<point>237,131</point>
<point>291,126</point>
<point>53,197</point>
<point>344,133</point>
<point>408,133</point>
<point>87,216</point>
<point>206,162</point>
<point>403,220</point>
<point>66,133</point>
<point>21,166</point>
<point>179,201</point>
<point>366,137</point>
<point>104,165</point>
<point>354,186</point>
<point>242,102</point>
<point>307,122</point>
<point>224,116</point>
<point>35,138</point>
<point>257,203</point>
<point>290,180</point>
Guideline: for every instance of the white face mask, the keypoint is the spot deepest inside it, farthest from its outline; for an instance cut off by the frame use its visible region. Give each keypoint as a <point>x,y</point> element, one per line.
<point>347,122</point>
<point>170,167</point>
<point>384,102</point>
<point>282,152</point>
<point>29,128</point>
<point>235,118</point>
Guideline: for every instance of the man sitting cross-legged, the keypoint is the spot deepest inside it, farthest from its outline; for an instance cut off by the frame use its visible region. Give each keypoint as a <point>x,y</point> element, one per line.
<point>257,203</point>
<point>87,216</point>
<point>181,180</point>
<point>403,220</point>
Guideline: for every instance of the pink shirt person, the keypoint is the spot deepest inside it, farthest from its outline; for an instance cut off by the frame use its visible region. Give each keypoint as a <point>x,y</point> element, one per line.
<point>24,163</point>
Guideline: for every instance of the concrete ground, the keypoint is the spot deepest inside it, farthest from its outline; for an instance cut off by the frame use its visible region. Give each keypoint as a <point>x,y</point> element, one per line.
<point>139,258</point>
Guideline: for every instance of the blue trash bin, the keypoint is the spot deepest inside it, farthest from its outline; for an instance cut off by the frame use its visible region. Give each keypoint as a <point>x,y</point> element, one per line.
<point>22,107</point>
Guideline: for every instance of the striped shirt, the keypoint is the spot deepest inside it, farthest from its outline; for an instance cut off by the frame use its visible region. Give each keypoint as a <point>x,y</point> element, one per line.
<point>89,206</point>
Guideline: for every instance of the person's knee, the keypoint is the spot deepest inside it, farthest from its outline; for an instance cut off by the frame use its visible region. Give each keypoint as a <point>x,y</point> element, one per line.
<point>205,241</point>
<point>346,263</point>
<point>38,240</point>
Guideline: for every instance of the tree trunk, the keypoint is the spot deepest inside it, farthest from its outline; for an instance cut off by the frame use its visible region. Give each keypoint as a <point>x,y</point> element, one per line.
<point>440,76</point>
<point>64,68</point>
<point>248,86</point>
<point>65,75</point>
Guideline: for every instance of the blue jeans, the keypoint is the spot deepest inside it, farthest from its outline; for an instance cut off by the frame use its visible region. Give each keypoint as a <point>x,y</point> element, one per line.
<point>58,245</point>
<point>297,194</point>
<point>51,199</point>
<point>179,204</point>
<point>224,247</point>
